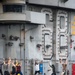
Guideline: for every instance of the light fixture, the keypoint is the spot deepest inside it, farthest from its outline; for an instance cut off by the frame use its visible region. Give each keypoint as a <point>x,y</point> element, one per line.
<point>21,44</point>
<point>38,45</point>
<point>3,36</point>
<point>22,29</point>
<point>16,38</point>
<point>47,46</point>
<point>11,37</point>
<point>9,44</point>
<point>31,38</point>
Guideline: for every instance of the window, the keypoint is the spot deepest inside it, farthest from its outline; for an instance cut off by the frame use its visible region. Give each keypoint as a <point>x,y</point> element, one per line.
<point>47,19</point>
<point>12,8</point>
<point>62,42</point>
<point>46,40</point>
<point>62,22</point>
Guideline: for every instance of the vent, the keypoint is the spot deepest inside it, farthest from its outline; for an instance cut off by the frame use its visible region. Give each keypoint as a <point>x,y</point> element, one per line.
<point>63,47</point>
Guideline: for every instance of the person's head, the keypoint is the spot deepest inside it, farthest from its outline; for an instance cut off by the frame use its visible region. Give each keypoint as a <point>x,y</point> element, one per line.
<point>14,63</point>
<point>18,63</point>
<point>52,65</point>
<point>36,63</point>
<point>6,60</point>
<point>41,62</point>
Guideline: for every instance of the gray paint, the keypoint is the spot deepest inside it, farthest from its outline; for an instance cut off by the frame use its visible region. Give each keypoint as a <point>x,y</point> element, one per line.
<point>44,2</point>
<point>14,50</point>
<point>35,17</point>
<point>73,37</point>
<point>59,3</point>
<point>32,50</point>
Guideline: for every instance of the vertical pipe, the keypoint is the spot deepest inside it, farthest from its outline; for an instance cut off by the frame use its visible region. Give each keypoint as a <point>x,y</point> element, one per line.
<point>54,35</point>
<point>58,2</point>
<point>7,42</point>
<point>20,42</point>
<point>70,64</point>
<point>24,37</point>
<point>44,42</point>
<point>24,49</point>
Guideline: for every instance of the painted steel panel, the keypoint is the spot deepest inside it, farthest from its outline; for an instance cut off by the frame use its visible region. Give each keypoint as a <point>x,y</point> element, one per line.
<point>47,69</point>
<point>1,49</point>
<point>61,35</point>
<point>38,18</point>
<point>12,17</point>
<point>14,50</point>
<point>70,4</point>
<point>72,49</point>
<point>73,36</point>
<point>47,32</point>
<point>15,1</point>
<point>59,3</point>
<point>44,2</point>
<point>35,17</point>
